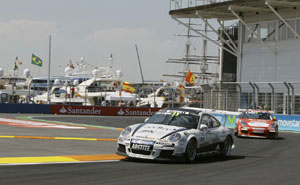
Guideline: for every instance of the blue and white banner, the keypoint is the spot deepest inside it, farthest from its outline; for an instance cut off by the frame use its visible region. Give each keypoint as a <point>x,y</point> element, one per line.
<point>285,122</point>
<point>227,119</point>
<point>288,122</point>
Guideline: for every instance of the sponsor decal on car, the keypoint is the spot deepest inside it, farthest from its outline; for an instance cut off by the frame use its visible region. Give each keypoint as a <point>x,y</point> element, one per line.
<point>140,147</point>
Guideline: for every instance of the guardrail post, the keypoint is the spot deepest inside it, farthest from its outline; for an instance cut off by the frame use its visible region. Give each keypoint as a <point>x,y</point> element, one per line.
<point>292,99</point>
<point>239,95</point>
<point>257,94</point>
<point>288,98</point>
<point>272,98</point>
<point>226,99</point>
<point>85,89</point>
<point>211,98</point>
<point>253,95</point>
<point>219,95</point>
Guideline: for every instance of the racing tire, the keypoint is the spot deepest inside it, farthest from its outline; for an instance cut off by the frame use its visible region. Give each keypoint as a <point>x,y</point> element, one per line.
<point>226,147</point>
<point>236,132</point>
<point>191,151</point>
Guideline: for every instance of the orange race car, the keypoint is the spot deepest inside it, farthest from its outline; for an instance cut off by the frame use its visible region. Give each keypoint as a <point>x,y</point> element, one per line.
<point>256,123</point>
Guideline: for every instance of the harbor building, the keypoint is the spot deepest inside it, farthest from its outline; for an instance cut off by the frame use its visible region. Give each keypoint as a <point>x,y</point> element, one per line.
<point>260,52</point>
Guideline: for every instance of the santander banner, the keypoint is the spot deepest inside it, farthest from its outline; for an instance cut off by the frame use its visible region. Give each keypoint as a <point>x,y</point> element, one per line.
<point>102,111</point>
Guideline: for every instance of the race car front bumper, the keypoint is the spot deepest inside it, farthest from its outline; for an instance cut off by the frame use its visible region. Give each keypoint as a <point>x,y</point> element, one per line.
<point>262,132</point>
<point>154,151</point>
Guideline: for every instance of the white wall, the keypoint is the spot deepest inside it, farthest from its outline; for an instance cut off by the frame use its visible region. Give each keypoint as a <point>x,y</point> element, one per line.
<point>260,65</point>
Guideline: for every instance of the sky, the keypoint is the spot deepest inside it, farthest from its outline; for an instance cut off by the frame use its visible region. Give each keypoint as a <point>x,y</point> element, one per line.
<point>92,29</point>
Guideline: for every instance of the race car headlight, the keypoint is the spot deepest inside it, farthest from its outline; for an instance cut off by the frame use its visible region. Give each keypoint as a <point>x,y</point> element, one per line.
<point>273,125</point>
<point>126,132</point>
<point>243,123</point>
<point>174,137</point>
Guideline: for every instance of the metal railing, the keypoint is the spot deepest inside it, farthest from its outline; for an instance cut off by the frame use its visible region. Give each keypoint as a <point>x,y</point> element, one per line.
<point>280,97</point>
<point>180,4</point>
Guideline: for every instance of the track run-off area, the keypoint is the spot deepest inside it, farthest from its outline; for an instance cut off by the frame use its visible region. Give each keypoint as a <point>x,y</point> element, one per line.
<point>50,149</point>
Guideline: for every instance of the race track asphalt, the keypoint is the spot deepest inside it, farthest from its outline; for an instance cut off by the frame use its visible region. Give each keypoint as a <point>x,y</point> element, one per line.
<point>253,161</point>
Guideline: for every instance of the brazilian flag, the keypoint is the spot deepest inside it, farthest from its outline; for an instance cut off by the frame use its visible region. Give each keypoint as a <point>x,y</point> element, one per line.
<point>36,61</point>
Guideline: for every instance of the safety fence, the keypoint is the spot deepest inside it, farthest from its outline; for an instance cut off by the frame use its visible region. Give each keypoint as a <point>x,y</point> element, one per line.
<point>279,97</point>
<point>180,4</point>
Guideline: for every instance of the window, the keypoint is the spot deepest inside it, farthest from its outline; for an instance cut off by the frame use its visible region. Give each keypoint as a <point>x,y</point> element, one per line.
<point>179,119</point>
<point>215,123</point>
<point>290,34</point>
<point>205,119</point>
<point>282,31</point>
<point>249,36</point>
<point>298,26</point>
<point>255,28</point>
<point>272,31</point>
<point>263,31</point>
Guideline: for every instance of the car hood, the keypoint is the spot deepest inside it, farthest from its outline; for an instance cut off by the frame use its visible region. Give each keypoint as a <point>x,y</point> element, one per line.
<point>155,131</point>
<point>258,122</point>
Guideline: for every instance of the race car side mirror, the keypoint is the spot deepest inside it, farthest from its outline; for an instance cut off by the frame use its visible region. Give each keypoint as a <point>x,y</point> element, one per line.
<point>146,119</point>
<point>203,127</point>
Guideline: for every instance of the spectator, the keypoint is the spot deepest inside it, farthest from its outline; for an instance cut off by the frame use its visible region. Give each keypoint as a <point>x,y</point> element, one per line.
<point>72,91</point>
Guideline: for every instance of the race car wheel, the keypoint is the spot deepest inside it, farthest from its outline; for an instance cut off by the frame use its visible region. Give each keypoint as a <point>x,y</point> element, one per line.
<point>226,147</point>
<point>236,132</point>
<point>191,151</point>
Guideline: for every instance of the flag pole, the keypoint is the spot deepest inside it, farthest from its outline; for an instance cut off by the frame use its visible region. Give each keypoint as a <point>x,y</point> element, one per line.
<point>49,64</point>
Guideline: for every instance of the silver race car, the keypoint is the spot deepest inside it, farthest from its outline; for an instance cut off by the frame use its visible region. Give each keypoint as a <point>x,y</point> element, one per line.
<point>173,133</point>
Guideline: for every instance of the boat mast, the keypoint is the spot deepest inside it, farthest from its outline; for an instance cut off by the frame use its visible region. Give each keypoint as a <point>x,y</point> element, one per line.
<point>203,60</point>
<point>204,66</point>
<point>138,56</point>
<point>187,53</point>
<point>49,65</point>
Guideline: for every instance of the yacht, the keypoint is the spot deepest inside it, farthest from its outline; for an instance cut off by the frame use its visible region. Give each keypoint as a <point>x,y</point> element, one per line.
<point>104,81</point>
<point>14,88</point>
<point>164,96</point>
<point>72,73</point>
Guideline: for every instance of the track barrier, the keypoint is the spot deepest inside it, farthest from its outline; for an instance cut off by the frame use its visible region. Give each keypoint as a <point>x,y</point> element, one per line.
<point>285,122</point>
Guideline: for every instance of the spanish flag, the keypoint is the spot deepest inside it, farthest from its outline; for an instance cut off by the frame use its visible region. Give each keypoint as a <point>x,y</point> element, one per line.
<point>127,87</point>
<point>190,78</point>
<point>71,65</point>
<point>181,98</point>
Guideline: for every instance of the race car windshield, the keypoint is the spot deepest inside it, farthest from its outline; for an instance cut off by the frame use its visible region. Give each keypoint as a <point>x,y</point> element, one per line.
<point>257,115</point>
<point>176,119</point>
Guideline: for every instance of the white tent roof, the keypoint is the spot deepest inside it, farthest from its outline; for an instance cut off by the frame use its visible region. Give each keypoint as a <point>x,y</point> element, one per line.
<point>124,97</point>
